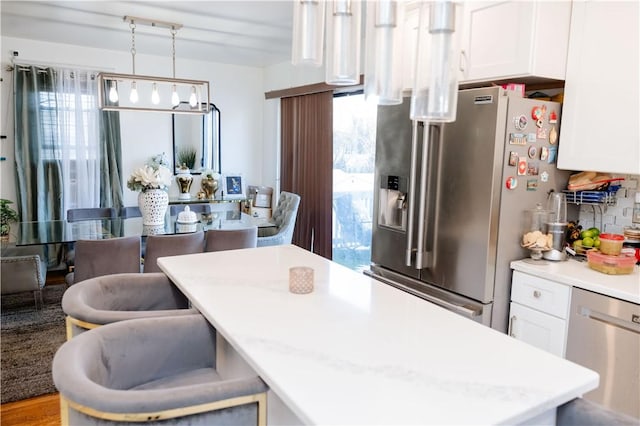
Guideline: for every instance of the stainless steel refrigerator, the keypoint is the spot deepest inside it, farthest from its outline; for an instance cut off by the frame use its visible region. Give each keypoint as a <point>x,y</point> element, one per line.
<point>449,204</point>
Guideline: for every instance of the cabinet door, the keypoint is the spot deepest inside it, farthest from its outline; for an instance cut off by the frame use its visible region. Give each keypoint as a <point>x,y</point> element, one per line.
<point>538,329</point>
<point>497,38</point>
<point>600,113</point>
<point>514,39</point>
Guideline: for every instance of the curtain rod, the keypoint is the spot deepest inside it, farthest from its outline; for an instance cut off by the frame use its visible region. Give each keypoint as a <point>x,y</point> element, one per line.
<point>40,65</point>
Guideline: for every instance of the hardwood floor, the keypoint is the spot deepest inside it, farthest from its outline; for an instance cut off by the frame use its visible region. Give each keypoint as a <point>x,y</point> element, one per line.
<point>39,411</point>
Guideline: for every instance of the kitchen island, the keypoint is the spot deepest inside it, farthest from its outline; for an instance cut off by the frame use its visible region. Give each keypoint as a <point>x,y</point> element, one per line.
<point>357,351</point>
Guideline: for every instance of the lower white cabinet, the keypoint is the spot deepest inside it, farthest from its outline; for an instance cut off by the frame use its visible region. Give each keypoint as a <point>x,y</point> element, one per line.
<point>539,312</point>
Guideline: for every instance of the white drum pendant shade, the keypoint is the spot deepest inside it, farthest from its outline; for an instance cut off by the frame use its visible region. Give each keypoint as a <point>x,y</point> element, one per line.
<point>383,60</point>
<point>435,90</point>
<point>343,42</point>
<point>308,32</point>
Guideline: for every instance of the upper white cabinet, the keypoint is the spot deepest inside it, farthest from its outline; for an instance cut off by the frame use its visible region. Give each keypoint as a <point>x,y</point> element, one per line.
<point>502,40</point>
<point>600,113</point>
<point>511,39</point>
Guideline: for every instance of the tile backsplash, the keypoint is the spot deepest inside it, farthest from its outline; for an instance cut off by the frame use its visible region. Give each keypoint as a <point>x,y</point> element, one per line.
<point>613,218</point>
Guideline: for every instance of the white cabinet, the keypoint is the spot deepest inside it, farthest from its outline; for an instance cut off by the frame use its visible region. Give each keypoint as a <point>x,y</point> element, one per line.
<point>600,113</point>
<point>539,312</point>
<point>512,39</point>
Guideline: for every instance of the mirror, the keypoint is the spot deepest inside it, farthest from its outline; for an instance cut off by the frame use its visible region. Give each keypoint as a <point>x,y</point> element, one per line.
<point>196,140</point>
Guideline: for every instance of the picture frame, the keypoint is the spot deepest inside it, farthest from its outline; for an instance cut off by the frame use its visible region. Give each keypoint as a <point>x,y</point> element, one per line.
<point>233,186</point>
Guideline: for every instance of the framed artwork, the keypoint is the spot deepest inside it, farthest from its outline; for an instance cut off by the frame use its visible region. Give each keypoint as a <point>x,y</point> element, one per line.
<point>232,186</point>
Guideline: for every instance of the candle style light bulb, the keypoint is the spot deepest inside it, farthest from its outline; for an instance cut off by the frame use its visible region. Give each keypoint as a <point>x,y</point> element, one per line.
<point>175,99</point>
<point>193,101</point>
<point>133,96</point>
<point>155,97</point>
<point>113,93</point>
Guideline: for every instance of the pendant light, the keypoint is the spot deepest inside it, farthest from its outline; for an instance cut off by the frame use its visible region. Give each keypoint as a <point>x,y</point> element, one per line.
<point>343,42</point>
<point>435,89</point>
<point>308,32</point>
<point>149,93</point>
<point>383,53</point>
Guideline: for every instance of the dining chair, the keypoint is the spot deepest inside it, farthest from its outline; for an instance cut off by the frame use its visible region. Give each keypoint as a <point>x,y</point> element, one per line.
<point>230,239</point>
<point>111,298</point>
<point>23,269</point>
<point>196,208</point>
<point>284,219</point>
<point>154,370</point>
<point>171,245</point>
<point>76,215</point>
<point>95,258</point>
<point>130,211</point>
<point>82,214</point>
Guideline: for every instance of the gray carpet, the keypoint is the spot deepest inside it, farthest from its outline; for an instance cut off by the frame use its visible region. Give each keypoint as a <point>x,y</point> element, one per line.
<point>29,339</point>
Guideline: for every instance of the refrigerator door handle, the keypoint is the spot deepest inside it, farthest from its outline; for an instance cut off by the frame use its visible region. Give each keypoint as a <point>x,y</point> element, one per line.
<point>422,201</point>
<point>412,193</point>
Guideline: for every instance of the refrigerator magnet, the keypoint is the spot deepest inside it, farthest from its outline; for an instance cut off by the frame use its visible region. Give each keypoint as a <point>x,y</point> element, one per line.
<point>544,177</point>
<point>532,152</point>
<point>531,137</point>
<point>511,182</point>
<point>520,122</point>
<point>553,117</point>
<point>532,168</point>
<point>517,139</point>
<point>532,184</point>
<point>536,113</point>
<point>522,166</point>
<point>553,152</point>
<point>553,135</point>
<point>513,158</point>
<point>541,133</point>
<point>544,153</point>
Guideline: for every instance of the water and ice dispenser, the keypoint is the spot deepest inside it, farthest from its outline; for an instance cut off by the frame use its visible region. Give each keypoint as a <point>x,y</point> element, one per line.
<point>392,202</point>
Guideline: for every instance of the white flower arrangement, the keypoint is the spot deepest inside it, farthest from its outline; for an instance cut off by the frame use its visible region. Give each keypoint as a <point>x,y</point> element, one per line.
<point>153,175</point>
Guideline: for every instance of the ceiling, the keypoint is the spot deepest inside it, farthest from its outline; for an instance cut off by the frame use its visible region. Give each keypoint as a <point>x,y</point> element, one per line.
<point>251,33</point>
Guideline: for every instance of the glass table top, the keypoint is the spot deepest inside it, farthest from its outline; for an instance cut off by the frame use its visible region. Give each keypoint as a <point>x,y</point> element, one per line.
<point>61,231</point>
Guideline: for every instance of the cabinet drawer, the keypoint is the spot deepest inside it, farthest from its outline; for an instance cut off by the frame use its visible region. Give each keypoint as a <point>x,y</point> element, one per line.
<point>543,295</point>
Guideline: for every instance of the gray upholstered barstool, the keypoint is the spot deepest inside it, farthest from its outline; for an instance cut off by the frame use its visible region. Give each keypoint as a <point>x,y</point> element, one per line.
<point>155,370</point>
<point>111,298</point>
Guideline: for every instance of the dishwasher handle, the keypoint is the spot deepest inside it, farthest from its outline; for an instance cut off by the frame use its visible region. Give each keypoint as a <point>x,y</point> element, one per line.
<point>633,325</point>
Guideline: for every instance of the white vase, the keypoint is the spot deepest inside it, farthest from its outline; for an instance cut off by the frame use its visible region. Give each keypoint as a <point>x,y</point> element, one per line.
<point>153,205</point>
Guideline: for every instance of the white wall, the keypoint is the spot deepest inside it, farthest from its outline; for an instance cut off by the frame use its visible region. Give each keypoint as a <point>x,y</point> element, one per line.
<point>237,91</point>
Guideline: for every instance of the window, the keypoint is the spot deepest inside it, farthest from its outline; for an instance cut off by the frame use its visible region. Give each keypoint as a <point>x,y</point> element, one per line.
<point>354,141</point>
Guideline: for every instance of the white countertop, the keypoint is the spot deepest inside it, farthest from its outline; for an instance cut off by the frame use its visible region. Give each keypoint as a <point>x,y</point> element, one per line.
<point>579,274</point>
<point>357,351</point>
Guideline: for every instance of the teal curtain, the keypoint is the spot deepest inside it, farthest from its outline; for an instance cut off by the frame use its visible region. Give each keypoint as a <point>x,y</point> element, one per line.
<point>38,173</point>
<point>110,160</point>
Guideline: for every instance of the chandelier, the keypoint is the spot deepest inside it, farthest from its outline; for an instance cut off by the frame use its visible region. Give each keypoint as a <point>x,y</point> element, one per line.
<point>435,85</point>
<point>133,92</point>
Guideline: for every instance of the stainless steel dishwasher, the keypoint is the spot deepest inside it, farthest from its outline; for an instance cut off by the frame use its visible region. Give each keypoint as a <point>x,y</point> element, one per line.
<point>604,335</point>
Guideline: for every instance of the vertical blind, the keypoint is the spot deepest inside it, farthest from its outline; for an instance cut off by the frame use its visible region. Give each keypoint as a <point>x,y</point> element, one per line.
<point>306,166</point>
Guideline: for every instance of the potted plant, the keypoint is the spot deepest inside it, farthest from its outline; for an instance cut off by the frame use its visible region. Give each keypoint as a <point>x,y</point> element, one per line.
<point>7,215</point>
<point>187,156</point>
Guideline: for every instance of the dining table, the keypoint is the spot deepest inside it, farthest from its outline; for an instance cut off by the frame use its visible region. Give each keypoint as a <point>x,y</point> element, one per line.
<point>63,231</point>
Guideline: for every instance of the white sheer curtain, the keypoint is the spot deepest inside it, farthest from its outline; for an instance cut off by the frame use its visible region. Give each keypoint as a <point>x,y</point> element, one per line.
<point>78,137</point>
